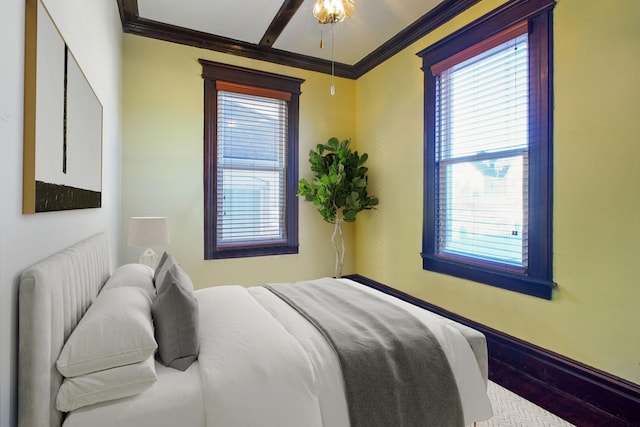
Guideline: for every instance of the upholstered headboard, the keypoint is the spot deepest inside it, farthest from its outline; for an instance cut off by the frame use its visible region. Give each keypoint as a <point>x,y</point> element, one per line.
<point>53,296</point>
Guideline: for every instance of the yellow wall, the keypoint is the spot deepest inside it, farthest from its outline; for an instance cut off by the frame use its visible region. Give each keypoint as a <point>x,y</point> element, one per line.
<point>162,159</point>
<point>594,314</point>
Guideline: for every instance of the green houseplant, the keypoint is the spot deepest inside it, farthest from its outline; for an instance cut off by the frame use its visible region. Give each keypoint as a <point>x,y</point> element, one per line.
<point>339,188</point>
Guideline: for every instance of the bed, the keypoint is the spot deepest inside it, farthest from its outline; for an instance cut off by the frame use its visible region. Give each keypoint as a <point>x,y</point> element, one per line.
<point>260,362</point>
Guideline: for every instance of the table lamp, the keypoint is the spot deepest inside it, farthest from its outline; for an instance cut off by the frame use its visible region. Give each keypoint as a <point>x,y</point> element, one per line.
<point>147,231</point>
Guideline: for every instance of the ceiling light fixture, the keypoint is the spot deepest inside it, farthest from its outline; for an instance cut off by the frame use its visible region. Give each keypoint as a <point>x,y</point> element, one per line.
<point>332,12</point>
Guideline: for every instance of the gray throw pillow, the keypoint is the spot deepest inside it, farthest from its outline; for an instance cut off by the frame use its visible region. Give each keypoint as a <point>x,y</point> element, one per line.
<point>175,317</point>
<point>161,269</point>
<point>161,265</point>
<point>169,264</point>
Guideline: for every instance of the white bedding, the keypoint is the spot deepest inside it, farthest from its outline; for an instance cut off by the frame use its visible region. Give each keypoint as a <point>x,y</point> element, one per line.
<point>174,400</point>
<point>263,365</point>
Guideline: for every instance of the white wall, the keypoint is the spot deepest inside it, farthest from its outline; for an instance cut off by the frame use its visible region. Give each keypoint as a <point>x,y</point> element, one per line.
<point>94,34</point>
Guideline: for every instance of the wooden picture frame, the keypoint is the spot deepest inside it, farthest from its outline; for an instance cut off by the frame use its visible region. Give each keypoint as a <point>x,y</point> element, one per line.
<point>62,160</point>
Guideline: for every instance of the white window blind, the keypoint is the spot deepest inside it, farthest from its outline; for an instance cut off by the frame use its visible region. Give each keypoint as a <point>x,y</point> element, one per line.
<point>482,153</point>
<point>251,169</point>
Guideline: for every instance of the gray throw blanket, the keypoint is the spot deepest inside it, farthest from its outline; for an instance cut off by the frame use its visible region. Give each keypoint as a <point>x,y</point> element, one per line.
<point>395,372</point>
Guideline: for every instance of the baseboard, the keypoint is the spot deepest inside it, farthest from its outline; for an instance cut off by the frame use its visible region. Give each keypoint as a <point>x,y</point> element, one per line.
<point>615,396</point>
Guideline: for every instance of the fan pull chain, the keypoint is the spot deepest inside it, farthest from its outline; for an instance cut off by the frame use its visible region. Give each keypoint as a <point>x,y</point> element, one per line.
<point>333,86</point>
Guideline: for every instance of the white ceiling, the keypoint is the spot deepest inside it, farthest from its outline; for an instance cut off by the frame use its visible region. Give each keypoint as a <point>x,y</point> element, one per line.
<point>373,23</point>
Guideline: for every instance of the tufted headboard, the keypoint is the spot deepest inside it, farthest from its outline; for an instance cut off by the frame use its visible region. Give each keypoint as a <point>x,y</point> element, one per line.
<point>53,296</point>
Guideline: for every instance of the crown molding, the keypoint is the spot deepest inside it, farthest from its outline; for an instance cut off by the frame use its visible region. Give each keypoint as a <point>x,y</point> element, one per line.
<point>132,23</point>
<point>175,34</point>
<point>414,32</point>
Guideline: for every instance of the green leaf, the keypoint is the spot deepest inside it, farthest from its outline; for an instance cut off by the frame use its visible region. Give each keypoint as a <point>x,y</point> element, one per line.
<point>340,181</point>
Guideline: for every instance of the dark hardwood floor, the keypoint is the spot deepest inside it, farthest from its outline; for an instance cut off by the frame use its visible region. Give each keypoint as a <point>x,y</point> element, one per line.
<point>553,400</point>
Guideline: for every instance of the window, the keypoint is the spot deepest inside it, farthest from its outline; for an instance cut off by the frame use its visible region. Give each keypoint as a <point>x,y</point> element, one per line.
<point>488,150</point>
<point>250,164</point>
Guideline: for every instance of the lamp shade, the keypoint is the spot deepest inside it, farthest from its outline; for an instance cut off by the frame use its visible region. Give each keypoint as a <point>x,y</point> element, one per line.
<point>145,231</point>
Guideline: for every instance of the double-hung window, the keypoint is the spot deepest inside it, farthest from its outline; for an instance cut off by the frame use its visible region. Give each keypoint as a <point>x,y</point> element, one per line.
<point>251,134</point>
<point>487,214</point>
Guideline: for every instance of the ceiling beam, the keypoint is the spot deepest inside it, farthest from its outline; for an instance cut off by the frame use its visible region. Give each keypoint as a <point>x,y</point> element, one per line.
<point>280,21</point>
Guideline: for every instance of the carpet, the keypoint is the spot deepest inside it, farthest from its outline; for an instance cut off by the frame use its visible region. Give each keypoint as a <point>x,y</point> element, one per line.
<point>511,410</point>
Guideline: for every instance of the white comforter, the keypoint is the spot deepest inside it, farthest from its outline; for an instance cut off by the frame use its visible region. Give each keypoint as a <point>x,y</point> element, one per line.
<point>261,364</point>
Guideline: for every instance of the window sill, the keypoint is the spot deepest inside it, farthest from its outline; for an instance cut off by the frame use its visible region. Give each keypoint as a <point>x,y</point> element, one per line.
<point>489,276</point>
<point>247,252</point>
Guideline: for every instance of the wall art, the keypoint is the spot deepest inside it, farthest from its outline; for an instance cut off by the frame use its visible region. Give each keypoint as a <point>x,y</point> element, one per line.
<point>62,123</point>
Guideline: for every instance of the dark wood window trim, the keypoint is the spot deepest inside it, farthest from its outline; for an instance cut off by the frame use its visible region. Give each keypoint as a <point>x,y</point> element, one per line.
<point>213,72</point>
<point>537,279</point>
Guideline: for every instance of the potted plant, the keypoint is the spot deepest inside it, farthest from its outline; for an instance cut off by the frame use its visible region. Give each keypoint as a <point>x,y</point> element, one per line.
<point>339,188</point>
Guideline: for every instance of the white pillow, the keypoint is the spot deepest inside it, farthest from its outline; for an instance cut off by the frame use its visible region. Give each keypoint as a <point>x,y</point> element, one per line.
<point>102,386</point>
<point>139,275</point>
<point>116,330</point>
